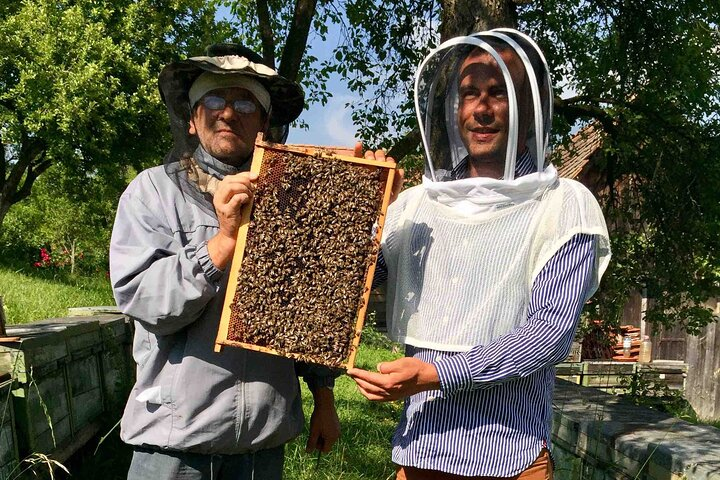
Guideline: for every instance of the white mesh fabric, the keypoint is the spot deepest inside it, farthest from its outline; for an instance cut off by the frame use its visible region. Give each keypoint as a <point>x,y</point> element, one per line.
<point>459,281</point>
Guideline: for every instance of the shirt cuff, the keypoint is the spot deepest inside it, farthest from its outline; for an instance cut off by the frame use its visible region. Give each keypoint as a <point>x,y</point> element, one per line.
<point>454,374</point>
<point>203,257</point>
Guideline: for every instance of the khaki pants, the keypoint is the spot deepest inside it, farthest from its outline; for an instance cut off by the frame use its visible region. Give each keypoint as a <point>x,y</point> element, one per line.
<point>541,469</point>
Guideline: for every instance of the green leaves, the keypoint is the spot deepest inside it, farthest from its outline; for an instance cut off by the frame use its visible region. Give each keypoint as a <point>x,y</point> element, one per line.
<point>78,90</point>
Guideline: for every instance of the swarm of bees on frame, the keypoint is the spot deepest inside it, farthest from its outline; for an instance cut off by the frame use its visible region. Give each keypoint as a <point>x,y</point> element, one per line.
<point>309,244</point>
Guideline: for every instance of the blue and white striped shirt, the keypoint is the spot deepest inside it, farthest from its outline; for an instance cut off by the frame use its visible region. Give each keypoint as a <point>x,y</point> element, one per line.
<point>492,415</point>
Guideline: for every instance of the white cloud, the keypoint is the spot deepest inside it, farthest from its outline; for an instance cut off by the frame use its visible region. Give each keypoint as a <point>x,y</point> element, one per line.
<point>336,121</point>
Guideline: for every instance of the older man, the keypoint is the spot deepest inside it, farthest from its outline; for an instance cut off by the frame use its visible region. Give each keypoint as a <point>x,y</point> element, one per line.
<point>489,261</point>
<point>194,413</point>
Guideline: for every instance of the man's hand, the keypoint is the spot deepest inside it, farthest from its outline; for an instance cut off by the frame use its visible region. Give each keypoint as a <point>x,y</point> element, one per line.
<point>396,380</point>
<point>380,156</point>
<point>324,422</point>
<point>232,193</point>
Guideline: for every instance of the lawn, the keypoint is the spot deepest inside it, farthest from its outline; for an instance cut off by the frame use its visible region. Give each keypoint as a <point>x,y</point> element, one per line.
<point>31,294</point>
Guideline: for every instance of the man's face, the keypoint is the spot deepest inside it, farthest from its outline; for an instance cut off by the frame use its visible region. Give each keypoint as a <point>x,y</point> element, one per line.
<point>483,112</point>
<point>225,134</point>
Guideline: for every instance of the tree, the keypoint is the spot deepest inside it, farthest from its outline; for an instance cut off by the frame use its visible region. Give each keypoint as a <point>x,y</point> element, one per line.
<point>78,86</point>
<point>73,233</point>
<point>645,71</point>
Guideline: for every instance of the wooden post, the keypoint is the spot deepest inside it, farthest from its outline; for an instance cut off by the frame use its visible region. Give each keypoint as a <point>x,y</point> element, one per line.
<point>702,387</point>
<point>3,333</point>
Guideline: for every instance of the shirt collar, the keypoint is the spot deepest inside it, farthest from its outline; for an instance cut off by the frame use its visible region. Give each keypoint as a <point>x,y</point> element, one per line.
<point>524,165</point>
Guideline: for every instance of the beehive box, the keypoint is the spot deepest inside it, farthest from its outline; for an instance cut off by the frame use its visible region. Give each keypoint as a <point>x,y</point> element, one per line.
<point>607,375</point>
<point>117,365</point>
<point>305,256</point>
<point>40,388</point>
<point>8,439</point>
<point>82,367</point>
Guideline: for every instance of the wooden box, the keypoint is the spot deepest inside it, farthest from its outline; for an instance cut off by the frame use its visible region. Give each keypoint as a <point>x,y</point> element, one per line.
<point>8,439</point>
<point>40,389</point>
<point>82,367</point>
<point>117,365</point>
<point>607,375</point>
<point>305,256</point>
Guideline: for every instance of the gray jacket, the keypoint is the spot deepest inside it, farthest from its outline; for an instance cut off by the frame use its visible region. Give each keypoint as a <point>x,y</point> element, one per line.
<point>186,396</point>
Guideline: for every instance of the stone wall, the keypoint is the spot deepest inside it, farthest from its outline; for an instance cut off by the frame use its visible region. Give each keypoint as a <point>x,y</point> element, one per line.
<point>598,436</point>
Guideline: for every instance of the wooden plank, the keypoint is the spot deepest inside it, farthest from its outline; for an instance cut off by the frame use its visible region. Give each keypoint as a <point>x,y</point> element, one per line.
<point>371,270</point>
<point>8,438</point>
<point>3,332</point>
<point>92,311</point>
<point>703,376</point>
<point>238,257</point>
<point>323,152</point>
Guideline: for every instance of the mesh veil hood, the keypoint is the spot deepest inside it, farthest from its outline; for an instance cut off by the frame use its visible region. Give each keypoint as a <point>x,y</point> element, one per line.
<point>437,101</point>
<point>286,97</point>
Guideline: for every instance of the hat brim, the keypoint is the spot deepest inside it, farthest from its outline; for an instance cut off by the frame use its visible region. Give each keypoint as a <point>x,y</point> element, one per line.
<point>286,97</point>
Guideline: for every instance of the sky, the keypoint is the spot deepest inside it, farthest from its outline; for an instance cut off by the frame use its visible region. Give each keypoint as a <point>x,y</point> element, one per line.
<point>330,124</point>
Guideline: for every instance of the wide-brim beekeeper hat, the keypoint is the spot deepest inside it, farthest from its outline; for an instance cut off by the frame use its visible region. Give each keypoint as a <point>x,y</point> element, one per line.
<point>286,97</point>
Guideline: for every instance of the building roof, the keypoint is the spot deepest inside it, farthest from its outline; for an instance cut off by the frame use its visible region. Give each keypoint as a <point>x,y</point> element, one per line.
<point>573,158</point>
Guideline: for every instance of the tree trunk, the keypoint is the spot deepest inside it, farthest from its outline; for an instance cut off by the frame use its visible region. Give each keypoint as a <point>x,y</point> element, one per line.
<point>4,207</point>
<point>296,43</point>
<point>16,184</point>
<point>463,17</point>
<point>266,32</point>
<point>72,257</point>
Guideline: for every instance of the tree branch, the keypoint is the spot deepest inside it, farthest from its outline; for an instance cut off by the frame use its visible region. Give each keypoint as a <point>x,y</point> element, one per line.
<point>3,166</point>
<point>30,152</point>
<point>573,111</point>
<point>405,145</point>
<point>266,32</point>
<point>33,172</point>
<point>297,39</point>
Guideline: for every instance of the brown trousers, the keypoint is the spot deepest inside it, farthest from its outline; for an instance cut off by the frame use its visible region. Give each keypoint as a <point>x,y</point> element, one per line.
<point>541,469</point>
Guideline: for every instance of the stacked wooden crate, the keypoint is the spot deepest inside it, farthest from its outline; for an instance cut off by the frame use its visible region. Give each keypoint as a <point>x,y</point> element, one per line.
<point>615,376</point>
<point>63,372</point>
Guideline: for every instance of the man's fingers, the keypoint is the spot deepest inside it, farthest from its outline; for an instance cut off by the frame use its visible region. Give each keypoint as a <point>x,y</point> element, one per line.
<point>311,444</point>
<point>229,191</point>
<point>358,150</point>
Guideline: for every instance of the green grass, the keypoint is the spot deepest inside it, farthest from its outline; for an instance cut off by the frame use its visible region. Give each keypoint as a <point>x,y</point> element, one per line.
<point>31,294</point>
<point>363,451</point>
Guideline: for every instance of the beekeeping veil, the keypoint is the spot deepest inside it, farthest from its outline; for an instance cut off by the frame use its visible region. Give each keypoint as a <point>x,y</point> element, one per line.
<point>286,100</point>
<point>437,103</point>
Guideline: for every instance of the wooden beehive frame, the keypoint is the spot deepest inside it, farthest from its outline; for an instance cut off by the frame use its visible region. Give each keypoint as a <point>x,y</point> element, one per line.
<point>260,148</point>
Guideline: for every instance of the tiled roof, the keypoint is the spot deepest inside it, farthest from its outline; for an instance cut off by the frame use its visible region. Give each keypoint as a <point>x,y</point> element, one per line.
<point>575,156</point>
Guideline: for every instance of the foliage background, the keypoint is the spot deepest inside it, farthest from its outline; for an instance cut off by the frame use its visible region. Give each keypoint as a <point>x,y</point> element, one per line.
<point>80,113</point>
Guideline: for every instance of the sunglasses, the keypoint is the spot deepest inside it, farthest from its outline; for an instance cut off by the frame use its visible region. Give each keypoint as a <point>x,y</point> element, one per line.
<point>242,107</point>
